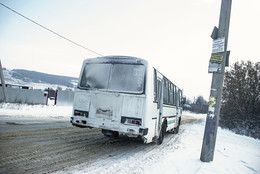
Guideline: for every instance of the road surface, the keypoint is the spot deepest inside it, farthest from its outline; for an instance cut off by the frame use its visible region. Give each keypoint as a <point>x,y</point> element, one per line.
<point>46,146</point>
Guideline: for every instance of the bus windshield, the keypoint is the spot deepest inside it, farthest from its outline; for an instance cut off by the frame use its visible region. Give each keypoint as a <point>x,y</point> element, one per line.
<point>128,78</point>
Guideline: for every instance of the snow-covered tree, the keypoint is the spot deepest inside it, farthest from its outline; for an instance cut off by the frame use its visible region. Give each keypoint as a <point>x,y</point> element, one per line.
<point>241,97</point>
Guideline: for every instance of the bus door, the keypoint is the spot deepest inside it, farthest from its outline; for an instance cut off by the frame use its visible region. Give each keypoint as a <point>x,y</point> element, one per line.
<point>160,103</point>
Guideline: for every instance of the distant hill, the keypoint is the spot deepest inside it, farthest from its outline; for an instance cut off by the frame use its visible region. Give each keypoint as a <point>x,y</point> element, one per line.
<point>38,80</point>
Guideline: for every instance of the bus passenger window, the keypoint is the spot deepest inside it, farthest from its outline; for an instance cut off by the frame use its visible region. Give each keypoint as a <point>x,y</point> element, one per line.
<point>165,91</point>
<point>171,95</point>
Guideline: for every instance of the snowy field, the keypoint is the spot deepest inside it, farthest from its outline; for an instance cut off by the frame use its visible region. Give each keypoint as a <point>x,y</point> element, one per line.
<point>234,154</point>
<point>35,111</point>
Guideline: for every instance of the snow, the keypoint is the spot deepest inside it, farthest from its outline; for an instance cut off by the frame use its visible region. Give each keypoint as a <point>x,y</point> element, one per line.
<point>234,154</point>
<point>181,154</point>
<point>35,111</point>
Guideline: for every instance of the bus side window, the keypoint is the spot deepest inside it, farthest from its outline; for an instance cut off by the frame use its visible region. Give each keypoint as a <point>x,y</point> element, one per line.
<point>171,94</point>
<point>175,95</point>
<point>174,103</point>
<point>165,91</point>
<point>180,96</point>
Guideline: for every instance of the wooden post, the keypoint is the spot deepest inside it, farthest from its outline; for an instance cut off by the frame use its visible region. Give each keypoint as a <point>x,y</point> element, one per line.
<point>3,84</point>
<point>56,95</point>
<point>47,96</point>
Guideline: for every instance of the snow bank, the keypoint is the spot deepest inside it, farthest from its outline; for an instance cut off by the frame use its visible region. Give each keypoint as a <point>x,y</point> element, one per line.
<point>35,111</point>
<point>234,154</point>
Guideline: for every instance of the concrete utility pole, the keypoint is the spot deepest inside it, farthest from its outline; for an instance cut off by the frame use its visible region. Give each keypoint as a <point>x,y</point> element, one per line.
<point>3,83</point>
<point>219,59</point>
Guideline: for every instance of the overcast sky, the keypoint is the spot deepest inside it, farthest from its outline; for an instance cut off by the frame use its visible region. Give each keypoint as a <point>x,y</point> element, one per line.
<point>174,35</point>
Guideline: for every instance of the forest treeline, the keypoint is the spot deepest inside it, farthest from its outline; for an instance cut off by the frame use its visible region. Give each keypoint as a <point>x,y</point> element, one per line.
<point>240,109</point>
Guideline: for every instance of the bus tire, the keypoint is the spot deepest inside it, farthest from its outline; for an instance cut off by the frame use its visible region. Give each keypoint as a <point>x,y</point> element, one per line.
<point>110,133</point>
<point>161,135</point>
<point>176,130</point>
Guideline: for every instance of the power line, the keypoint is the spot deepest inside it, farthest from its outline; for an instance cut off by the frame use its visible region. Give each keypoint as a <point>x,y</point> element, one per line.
<point>50,30</point>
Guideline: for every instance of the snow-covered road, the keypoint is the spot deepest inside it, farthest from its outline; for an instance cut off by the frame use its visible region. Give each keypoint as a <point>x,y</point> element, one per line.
<point>181,154</point>
<point>39,139</point>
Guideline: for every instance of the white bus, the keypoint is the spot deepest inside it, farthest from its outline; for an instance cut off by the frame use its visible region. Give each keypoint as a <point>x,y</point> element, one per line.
<point>125,95</point>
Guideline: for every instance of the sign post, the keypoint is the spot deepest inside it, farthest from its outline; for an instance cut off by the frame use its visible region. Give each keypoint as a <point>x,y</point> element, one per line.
<point>217,67</point>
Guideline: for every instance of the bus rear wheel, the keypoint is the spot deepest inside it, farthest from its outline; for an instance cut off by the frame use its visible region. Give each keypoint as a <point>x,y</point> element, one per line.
<point>176,130</point>
<point>161,135</point>
<point>110,133</point>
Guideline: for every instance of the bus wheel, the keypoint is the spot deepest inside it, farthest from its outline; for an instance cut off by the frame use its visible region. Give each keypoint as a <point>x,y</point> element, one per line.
<point>176,130</point>
<point>161,135</point>
<point>115,134</point>
<point>110,133</point>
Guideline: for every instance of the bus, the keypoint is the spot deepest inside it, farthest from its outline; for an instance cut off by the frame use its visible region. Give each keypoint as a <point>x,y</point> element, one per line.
<point>125,95</point>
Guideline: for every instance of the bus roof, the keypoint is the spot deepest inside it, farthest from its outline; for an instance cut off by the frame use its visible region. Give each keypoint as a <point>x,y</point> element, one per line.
<point>116,59</point>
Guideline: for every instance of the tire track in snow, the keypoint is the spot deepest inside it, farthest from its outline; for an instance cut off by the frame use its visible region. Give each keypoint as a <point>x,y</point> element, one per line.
<point>59,146</point>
